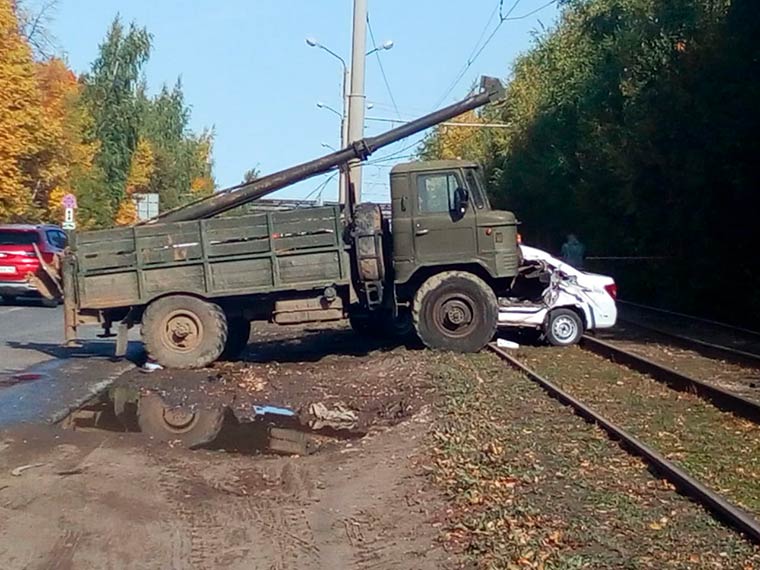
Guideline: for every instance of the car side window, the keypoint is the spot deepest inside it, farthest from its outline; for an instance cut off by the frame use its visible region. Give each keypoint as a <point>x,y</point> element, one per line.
<point>435,192</point>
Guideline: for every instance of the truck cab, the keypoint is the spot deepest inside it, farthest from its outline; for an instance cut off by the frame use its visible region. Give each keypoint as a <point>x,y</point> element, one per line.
<point>442,220</point>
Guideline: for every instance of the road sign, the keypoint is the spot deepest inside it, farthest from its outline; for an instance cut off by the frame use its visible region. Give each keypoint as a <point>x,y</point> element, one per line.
<point>68,219</point>
<point>69,201</point>
<point>69,226</point>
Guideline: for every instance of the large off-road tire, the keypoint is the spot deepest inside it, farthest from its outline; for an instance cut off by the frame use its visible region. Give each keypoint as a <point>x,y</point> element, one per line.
<point>191,427</point>
<point>563,327</point>
<point>455,310</point>
<point>238,332</point>
<point>180,331</point>
<point>368,237</point>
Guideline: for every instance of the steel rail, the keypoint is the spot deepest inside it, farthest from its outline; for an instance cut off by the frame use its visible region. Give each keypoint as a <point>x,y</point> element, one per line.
<point>721,398</point>
<point>690,317</point>
<point>723,510</point>
<point>710,349</point>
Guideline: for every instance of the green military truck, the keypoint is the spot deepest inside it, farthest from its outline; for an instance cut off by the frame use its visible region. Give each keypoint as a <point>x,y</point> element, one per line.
<point>195,280</point>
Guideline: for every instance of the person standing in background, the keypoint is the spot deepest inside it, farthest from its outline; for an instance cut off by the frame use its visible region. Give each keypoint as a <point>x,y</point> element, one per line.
<point>573,252</point>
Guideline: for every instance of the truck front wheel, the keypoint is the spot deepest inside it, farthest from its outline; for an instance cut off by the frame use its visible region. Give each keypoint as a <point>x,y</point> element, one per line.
<point>181,331</point>
<point>455,310</point>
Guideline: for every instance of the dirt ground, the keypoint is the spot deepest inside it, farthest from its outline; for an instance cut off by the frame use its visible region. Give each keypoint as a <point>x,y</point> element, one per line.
<point>99,499</point>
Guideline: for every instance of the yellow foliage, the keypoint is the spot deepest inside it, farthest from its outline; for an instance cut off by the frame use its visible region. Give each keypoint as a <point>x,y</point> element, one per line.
<point>202,185</point>
<point>67,153</point>
<point>141,168</point>
<point>20,117</point>
<point>127,213</point>
<point>468,142</point>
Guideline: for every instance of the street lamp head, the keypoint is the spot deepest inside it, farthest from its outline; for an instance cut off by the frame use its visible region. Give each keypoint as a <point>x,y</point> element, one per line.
<point>387,44</point>
<point>320,105</point>
<point>311,42</point>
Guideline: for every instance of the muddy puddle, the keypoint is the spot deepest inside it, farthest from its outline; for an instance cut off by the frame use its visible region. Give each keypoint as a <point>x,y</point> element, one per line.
<point>296,391</point>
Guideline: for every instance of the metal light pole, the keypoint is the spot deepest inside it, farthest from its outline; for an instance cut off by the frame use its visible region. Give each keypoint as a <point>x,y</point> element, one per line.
<point>343,180</point>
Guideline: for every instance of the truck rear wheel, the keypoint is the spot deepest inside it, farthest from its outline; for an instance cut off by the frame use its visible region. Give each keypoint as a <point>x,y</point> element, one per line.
<point>181,331</point>
<point>455,310</point>
<point>192,427</point>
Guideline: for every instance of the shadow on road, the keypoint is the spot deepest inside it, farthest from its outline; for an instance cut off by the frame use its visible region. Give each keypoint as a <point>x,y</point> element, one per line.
<point>87,349</point>
<point>312,345</point>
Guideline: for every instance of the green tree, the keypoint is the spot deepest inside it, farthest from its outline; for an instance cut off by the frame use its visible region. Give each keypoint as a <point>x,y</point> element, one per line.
<point>110,94</point>
<point>634,123</point>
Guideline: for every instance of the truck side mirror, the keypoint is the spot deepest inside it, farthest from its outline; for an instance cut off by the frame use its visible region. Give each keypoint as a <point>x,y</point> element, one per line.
<point>461,202</point>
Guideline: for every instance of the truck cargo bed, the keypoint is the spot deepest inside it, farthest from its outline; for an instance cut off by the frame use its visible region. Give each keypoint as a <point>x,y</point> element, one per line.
<point>293,250</point>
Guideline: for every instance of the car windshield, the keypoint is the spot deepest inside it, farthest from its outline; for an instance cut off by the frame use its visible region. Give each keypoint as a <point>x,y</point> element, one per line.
<point>16,237</point>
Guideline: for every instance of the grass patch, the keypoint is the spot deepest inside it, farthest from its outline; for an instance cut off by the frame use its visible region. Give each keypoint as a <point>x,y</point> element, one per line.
<point>533,486</point>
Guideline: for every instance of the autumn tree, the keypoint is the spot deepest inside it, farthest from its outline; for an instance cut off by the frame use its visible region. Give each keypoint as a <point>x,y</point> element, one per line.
<point>20,118</point>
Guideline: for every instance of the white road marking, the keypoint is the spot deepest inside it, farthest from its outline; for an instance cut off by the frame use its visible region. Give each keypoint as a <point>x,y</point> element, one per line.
<point>10,310</point>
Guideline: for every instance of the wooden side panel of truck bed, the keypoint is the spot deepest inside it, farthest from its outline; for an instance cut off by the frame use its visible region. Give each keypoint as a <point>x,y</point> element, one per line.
<point>261,253</point>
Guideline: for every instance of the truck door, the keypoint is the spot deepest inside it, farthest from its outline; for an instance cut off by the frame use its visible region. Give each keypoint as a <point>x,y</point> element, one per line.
<point>441,234</point>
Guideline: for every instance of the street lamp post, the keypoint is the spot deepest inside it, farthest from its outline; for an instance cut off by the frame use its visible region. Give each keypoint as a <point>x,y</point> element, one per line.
<point>343,181</point>
<point>346,136</point>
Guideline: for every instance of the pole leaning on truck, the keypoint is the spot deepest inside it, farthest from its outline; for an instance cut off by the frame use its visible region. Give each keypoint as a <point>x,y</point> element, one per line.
<point>490,90</point>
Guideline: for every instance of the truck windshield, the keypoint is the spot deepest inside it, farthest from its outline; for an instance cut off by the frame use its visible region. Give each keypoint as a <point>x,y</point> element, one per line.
<point>479,195</point>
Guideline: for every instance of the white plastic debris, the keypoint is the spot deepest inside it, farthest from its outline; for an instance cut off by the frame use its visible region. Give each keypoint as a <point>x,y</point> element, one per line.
<point>504,343</point>
<point>151,366</point>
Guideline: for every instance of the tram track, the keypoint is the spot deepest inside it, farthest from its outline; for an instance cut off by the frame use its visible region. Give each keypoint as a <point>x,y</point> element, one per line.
<point>721,507</point>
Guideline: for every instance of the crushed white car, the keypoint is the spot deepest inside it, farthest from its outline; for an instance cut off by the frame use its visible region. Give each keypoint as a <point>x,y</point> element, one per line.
<point>557,299</point>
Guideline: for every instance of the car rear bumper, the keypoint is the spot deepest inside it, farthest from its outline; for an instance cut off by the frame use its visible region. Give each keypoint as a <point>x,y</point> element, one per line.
<point>16,288</point>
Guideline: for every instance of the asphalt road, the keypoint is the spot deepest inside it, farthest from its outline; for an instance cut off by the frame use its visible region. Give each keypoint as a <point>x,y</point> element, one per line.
<point>29,334</point>
<point>55,378</point>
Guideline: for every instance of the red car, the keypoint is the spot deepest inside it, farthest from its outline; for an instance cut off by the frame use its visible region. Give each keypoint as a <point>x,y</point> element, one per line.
<point>18,258</point>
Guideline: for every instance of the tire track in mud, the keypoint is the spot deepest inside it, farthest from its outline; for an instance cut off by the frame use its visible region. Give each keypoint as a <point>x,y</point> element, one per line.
<point>226,528</point>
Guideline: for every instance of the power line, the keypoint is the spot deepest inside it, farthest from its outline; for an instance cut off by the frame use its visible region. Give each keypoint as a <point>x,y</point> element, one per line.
<point>445,123</point>
<point>393,154</point>
<point>382,69</point>
<point>478,48</point>
<point>321,186</point>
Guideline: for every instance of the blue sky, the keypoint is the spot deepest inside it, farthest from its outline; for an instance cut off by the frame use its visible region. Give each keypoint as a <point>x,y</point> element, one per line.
<point>248,73</point>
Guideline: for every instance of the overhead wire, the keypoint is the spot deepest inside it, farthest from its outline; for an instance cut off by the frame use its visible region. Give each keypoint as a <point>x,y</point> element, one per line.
<point>479,48</point>
<point>382,68</point>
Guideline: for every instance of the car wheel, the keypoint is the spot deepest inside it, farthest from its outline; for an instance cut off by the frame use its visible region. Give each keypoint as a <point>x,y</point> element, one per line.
<point>455,310</point>
<point>563,327</point>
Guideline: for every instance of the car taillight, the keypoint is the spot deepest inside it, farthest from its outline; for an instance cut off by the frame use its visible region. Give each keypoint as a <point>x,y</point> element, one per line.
<point>611,289</point>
